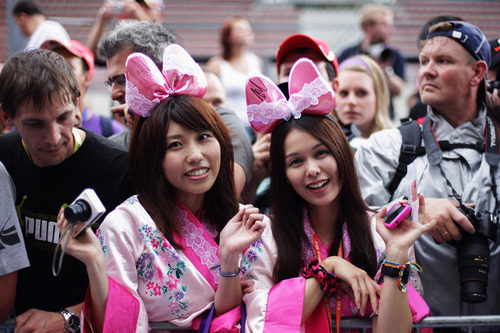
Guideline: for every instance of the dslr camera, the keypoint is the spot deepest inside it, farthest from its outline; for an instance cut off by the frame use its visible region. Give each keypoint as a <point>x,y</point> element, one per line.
<point>380,51</point>
<point>473,255</point>
<point>84,211</point>
<point>491,85</point>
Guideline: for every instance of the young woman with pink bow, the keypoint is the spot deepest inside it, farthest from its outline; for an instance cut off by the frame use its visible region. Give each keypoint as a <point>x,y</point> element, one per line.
<point>173,251</point>
<point>325,250</point>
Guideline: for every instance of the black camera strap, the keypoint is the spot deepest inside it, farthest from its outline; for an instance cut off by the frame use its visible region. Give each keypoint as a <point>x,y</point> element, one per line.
<point>492,151</point>
<point>491,148</point>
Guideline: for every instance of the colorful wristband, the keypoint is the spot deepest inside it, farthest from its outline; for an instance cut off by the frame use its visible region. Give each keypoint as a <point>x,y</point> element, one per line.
<point>327,280</point>
<point>401,272</point>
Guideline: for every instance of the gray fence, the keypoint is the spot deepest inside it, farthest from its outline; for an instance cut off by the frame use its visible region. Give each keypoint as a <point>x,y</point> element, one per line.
<point>464,322</point>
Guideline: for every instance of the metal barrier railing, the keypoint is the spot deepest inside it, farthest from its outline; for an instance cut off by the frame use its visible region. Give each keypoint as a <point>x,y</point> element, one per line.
<point>364,324</point>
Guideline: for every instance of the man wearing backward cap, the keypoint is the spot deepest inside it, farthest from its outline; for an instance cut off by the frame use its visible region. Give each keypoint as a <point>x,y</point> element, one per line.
<point>454,172</point>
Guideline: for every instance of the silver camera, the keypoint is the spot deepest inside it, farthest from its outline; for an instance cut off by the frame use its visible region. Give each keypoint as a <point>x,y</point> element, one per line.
<point>84,211</point>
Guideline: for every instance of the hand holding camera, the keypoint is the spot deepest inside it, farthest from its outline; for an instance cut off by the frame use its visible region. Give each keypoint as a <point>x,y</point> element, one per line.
<point>84,211</point>
<point>73,221</point>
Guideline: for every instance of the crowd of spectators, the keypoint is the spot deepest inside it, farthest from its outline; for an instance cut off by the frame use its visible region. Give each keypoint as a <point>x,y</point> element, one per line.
<point>223,188</point>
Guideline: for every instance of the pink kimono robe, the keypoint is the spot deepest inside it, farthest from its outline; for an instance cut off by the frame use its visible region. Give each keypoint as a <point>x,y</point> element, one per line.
<point>152,281</point>
<point>278,308</point>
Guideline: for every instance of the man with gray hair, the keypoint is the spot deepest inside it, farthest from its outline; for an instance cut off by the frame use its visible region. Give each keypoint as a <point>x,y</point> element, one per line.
<point>128,37</point>
<point>151,39</point>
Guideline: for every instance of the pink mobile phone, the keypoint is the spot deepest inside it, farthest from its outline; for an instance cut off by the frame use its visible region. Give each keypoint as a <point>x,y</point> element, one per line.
<point>396,214</point>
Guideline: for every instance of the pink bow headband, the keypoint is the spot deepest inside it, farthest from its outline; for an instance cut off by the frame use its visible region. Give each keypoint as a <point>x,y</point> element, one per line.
<point>309,93</point>
<point>147,87</point>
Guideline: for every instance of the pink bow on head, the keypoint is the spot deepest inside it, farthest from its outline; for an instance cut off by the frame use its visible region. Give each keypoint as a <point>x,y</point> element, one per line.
<point>309,93</point>
<point>147,87</point>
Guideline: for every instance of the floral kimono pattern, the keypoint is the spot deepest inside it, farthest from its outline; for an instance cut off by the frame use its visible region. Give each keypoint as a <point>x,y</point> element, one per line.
<point>150,280</point>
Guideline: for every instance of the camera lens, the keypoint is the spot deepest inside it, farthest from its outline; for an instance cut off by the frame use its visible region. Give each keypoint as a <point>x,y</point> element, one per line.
<point>80,211</point>
<point>386,55</point>
<point>473,267</point>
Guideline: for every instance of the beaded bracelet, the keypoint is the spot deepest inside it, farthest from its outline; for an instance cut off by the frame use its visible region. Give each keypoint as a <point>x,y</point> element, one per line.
<point>221,273</point>
<point>327,280</point>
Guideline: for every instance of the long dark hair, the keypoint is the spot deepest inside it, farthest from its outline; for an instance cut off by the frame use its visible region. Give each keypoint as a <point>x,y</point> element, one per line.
<point>287,205</point>
<point>147,151</point>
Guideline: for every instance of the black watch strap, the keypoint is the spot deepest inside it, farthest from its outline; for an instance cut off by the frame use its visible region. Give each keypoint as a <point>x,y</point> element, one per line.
<point>393,272</point>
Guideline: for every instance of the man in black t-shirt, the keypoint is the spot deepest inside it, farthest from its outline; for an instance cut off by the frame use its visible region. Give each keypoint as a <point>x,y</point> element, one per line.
<point>51,162</point>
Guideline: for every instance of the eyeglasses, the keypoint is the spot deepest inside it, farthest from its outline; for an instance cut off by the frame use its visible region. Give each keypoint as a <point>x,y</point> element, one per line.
<point>118,79</point>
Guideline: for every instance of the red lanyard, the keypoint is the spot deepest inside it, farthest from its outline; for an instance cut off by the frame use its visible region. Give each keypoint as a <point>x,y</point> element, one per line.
<point>338,294</point>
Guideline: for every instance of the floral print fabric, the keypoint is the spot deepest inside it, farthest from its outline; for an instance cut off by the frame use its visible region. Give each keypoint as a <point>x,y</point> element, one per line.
<point>167,284</point>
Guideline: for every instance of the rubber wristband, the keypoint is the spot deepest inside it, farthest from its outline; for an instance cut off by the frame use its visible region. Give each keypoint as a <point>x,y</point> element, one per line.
<point>221,273</point>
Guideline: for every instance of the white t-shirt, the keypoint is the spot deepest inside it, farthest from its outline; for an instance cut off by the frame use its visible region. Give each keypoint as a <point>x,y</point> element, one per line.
<point>13,255</point>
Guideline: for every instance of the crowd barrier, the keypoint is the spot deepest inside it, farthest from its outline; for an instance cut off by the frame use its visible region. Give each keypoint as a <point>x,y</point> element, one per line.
<point>466,323</point>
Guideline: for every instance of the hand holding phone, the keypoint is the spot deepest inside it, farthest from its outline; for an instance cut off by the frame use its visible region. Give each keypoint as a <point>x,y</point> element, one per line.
<point>396,214</point>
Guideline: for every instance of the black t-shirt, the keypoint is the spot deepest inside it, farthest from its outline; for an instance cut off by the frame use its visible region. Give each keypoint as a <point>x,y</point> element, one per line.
<point>40,192</point>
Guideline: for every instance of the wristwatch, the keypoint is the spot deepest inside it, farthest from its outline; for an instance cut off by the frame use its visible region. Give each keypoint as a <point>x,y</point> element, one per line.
<point>71,321</point>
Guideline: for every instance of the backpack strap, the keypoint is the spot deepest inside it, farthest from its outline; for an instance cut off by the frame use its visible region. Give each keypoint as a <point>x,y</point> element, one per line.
<point>411,147</point>
<point>446,146</point>
<point>106,126</point>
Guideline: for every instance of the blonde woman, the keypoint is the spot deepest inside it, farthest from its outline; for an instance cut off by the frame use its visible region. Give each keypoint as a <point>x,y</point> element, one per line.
<point>362,95</point>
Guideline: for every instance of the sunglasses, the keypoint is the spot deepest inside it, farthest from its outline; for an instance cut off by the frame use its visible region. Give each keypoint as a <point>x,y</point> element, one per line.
<point>118,79</point>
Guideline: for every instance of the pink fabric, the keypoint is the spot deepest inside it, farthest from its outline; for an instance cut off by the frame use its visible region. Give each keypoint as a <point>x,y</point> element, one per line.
<point>418,307</point>
<point>284,306</point>
<point>210,256</point>
<point>318,321</point>
<point>122,309</point>
<point>146,86</point>
<point>164,281</point>
<point>278,307</point>
<point>226,322</point>
<point>309,93</point>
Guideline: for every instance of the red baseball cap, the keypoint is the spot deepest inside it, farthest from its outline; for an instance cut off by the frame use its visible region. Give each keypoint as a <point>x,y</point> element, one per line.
<point>74,47</point>
<point>300,41</point>
<point>495,52</point>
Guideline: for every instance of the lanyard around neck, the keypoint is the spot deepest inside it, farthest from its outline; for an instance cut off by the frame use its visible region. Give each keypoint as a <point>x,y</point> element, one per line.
<point>338,295</point>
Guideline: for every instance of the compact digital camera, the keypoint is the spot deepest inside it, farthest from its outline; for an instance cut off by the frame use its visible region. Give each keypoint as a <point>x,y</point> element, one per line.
<point>84,211</point>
